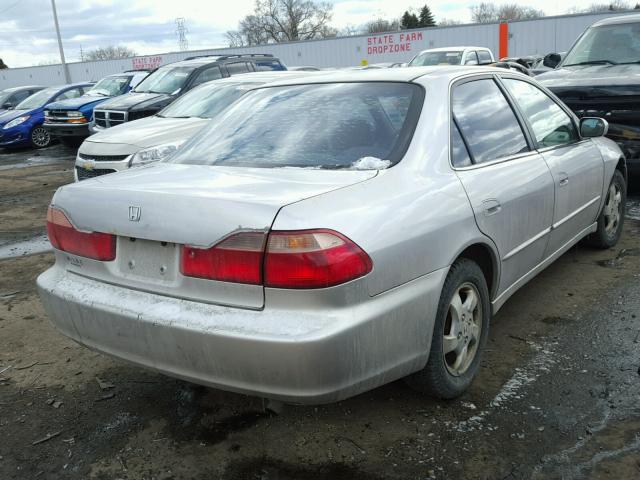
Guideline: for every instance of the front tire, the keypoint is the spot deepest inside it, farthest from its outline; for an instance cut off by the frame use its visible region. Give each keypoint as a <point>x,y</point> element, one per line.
<point>40,138</point>
<point>611,217</point>
<point>460,333</point>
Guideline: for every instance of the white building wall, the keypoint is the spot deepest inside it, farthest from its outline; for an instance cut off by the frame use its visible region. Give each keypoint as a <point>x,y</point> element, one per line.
<point>550,34</point>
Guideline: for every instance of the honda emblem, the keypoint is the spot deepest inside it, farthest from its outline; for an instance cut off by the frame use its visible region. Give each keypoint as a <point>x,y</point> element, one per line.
<point>134,213</point>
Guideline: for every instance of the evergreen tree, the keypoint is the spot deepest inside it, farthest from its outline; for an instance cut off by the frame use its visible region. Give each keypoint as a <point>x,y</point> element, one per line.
<point>426,17</point>
<point>409,20</point>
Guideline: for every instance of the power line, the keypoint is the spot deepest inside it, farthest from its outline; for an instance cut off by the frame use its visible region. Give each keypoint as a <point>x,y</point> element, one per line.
<point>181,30</point>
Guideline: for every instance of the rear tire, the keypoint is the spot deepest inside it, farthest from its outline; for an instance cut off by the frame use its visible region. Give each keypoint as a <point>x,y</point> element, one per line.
<point>611,218</point>
<point>460,333</point>
<point>39,137</point>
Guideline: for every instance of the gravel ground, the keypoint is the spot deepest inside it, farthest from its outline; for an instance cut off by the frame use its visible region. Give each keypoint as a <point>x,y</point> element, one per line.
<point>558,395</point>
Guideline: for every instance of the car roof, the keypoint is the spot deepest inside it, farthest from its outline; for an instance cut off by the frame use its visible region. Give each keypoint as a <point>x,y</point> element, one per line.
<point>26,87</point>
<point>632,18</point>
<point>405,74</point>
<point>453,49</point>
<point>207,59</point>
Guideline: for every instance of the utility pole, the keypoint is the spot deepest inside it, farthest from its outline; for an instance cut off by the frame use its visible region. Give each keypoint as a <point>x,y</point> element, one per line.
<point>67,77</point>
<point>183,44</point>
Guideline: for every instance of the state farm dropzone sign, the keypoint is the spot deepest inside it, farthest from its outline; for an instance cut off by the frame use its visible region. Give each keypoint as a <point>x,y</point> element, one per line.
<point>147,63</point>
<point>392,43</point>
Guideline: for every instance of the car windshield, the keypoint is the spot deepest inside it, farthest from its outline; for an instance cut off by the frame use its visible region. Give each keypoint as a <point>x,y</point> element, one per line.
<point>335,125</point>
<point>206,101</point>
<point>110,86</point>
<point>608,44</point>
<point>436,58</point>
<point>165,80</point>
<point>38,99</point>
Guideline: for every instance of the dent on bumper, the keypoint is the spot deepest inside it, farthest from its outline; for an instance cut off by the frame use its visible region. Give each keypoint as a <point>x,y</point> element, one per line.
<point>319,355</point>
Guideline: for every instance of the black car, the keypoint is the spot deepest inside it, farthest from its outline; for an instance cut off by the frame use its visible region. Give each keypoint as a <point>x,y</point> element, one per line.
<point>11,97</point>
<point>168,82</point>
<point>600,77</point>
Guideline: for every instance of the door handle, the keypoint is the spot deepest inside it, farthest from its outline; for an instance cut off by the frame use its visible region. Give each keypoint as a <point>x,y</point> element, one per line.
<point>563,179</point>
<point>491,207</point>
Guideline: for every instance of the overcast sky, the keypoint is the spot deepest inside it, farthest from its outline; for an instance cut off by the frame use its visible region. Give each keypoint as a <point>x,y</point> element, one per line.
<point>27,35</point>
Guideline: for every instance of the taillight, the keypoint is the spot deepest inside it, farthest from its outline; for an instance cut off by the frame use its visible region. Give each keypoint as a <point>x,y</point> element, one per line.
<point>63,236</point>
<point>291,259</point>
<point>237,258</point>
<point>312,259</point>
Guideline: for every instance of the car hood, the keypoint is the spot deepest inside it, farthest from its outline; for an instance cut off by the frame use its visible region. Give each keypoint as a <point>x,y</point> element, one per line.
<point>11,114</point>
<point>592,76</point>
<point>76,103</point>
<point>146,132</point>
<point>133,100</point>
<point>194,204</point>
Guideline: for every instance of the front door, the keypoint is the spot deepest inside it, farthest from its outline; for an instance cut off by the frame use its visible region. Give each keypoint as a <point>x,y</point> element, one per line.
<point>576,165</point>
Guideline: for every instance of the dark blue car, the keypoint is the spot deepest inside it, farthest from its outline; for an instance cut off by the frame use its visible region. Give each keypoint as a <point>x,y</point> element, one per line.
<point>23,126</point>
<point>69,119</point>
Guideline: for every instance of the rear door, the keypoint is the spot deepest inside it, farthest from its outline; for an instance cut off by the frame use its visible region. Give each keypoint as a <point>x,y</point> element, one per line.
<point>508,183</point>
<point>576,165</point>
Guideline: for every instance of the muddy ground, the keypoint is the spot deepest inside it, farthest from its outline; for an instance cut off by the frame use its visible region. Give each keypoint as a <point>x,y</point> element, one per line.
<point>558,394</point>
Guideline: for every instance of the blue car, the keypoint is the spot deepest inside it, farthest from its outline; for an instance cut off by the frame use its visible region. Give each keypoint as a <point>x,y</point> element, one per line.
<point>23,126</point>
<point>11,97</point>
<point>69,119</point>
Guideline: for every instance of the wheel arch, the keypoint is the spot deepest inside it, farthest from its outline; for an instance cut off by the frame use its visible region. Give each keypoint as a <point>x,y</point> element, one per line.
<point>486,256</point>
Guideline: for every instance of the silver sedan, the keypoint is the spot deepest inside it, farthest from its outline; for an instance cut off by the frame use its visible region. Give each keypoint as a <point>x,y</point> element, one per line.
<point>324,236</point>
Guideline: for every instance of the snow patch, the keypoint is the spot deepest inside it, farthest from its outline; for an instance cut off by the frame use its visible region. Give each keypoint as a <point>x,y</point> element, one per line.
<point>37,244</point>
<point>370,163</point>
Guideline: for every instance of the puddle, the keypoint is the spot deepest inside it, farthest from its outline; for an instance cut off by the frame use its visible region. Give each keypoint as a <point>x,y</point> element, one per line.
<point>33,245</point>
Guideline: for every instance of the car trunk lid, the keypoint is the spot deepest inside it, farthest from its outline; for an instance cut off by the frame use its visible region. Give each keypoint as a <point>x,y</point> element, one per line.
<point>155,210</point>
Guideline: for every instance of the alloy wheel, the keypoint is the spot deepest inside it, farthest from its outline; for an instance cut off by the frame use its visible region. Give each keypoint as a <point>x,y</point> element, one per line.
<point>462,329</point>
<point>612,209</point>
<point>40,137</point>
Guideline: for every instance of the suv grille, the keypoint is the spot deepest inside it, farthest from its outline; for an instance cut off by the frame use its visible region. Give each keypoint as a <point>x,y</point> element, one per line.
<point>84,174</point>
<point>102,158</point>
<point>109,118</point>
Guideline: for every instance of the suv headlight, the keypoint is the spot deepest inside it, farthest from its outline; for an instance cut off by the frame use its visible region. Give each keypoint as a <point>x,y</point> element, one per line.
<point>154,154</point>
<point>16,121</point>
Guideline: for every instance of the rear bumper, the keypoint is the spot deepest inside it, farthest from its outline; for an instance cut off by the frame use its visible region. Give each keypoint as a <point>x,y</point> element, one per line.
<point>79,130</point>
<point>312,355</point>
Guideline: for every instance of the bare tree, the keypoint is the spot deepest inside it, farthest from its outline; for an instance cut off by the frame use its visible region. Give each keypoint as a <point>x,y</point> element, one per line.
<point>276,21</point>
<point>380,25</point>
<point>612,6</point>
<point>108,53</point>
<point>489,13</point>
<point>445,22</point>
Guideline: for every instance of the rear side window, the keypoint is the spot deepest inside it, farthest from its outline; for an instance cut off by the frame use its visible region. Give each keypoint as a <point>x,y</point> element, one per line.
<point>487,122</point>
<point>484,57</point>
<point>238,67</point>
<point>269,65</point>
<point>551,125</point>
<point>459,154</point>
<point>331,126</point>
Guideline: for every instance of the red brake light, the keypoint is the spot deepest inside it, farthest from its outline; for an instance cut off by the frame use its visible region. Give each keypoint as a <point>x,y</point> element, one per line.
<point>63,236</point>
<point>313,259</point>
<point>237,258</point>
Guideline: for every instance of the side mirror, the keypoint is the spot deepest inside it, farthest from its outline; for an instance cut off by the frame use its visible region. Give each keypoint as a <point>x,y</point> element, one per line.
<point>552,60</point>
<point>591,127</point>
<point>7,106</point>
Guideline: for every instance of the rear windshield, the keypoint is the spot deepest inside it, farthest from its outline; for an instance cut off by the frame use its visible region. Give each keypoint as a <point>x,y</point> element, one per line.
<point>206,101</point>
<point>436,58</point>
<point>165,80</point>
<point>336,125</point>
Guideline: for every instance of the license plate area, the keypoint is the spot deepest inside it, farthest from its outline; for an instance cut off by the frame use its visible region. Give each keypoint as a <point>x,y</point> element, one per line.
<point>147,260</point>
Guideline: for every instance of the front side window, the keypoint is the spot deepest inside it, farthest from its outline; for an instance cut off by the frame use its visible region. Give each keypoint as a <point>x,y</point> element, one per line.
<point>436,58</point>
<point>606,44</point>
<point>333,126</point>
<point>487,122</point>
<point>550,124</point>
<point>238,67</point>
<point>471,58</point>
<point>165,80</point>
<point>484,57</point>
<point>19,97</point>
<point>206,101</point>
<point>208,74</point>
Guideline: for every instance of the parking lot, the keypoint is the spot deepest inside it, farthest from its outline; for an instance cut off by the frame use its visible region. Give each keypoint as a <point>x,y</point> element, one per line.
<point>557,395</point>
